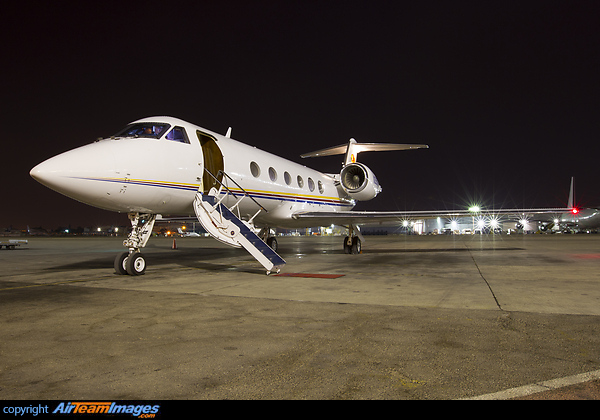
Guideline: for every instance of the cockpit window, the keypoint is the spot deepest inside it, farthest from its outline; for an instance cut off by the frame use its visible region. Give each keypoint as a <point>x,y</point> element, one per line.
<point>178,134</point>
<point>147,130</point>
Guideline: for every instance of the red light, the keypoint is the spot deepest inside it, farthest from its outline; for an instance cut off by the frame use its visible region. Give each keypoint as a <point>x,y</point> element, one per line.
<point>575,210</point>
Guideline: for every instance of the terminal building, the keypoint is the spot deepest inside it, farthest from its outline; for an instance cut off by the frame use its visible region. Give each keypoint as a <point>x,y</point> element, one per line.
<point>455,226</point>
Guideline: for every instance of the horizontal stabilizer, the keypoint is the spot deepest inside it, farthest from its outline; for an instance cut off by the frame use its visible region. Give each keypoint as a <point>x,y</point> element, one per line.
<point>363,147</point>
<point>352,148</point>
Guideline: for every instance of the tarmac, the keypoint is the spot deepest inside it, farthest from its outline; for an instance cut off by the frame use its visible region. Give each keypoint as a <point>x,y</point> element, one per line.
<point>412,317</point>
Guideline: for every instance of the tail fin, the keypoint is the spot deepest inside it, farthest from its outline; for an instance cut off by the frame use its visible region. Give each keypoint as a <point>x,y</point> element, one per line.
<point>353,148</point>
<point>571,203</point>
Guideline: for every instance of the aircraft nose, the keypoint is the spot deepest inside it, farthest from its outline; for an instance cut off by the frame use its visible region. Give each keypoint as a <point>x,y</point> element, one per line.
<point>67,173</point>
<point>45,172</point>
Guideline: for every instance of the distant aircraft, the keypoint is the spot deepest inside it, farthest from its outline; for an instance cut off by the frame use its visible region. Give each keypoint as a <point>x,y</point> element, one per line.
<point>575,219</point>
<point>232,188</point>
<point>188,234</point>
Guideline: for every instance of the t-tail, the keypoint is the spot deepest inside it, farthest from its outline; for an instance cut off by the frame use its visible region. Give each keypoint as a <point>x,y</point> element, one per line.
<point>356,179</point>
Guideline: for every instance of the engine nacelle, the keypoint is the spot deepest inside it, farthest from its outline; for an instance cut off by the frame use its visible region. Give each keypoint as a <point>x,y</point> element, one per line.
<point>359,182</point>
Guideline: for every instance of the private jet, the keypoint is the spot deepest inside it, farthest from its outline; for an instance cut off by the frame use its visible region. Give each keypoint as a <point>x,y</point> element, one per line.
<point>184,234</point>
<point>239,193</point>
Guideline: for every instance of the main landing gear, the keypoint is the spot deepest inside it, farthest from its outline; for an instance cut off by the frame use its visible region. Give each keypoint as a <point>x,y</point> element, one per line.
<point>132,262</point>
<point>352,242</point>
<point>352,245</point>
<point>271,241</point>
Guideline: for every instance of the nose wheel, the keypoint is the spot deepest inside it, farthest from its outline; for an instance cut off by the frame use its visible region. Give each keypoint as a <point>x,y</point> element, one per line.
<point>121,263</point>
<point>133,264</point>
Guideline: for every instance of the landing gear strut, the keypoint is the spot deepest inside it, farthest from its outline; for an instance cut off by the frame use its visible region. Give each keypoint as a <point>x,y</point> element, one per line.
<point>132,262</point>
<point>352,242</point>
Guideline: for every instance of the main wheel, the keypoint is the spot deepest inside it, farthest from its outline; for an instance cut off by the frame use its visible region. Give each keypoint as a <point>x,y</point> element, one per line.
<point>347,248</point>
<point>272,242</point>
<point>121,263</point>
<point>136,264</point>
<point>356,245</point>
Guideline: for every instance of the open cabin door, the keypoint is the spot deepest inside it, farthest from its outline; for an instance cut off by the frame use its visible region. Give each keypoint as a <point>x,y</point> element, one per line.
<point>213,161</point>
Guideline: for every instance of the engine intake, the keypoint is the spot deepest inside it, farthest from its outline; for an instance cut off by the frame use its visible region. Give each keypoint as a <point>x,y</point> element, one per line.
<point>359,182</point>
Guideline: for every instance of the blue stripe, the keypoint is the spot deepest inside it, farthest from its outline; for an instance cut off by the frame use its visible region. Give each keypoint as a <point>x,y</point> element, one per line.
<point>296,199</point>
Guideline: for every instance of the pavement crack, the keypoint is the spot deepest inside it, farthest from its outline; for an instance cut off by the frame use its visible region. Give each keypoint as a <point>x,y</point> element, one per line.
<point>484,279</point>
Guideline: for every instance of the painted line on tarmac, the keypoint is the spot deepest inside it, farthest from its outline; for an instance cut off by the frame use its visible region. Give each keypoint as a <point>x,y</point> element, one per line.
<point>552,384</point>
<point>56,283</point>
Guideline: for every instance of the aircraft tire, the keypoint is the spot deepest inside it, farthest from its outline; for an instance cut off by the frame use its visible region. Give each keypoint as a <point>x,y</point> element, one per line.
<point>272,242</point>
<point>356,246</point>
<point>347,248</point>
<point>136,264</point>
<point>121,263</point>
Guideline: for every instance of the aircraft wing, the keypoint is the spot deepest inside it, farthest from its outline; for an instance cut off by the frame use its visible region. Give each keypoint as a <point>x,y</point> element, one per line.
<point>367,217</point>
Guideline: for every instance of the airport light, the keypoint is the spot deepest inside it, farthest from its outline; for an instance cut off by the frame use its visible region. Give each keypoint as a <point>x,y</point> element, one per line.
<point>494,222</point>
<point>475,208</point>
<point>480,223</point>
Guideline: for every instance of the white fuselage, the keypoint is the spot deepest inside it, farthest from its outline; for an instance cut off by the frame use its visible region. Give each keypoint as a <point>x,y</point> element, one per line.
<point>587,218</point>
<point>135,174</point>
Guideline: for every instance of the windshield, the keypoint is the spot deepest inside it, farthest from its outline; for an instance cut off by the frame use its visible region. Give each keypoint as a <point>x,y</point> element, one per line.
<point>149,130</point>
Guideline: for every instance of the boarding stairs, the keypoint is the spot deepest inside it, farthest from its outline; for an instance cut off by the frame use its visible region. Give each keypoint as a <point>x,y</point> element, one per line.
<point>222,223</point>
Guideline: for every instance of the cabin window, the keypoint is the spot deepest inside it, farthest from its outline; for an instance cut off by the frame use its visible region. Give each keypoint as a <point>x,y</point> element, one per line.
<point>178,134</point>
<point>300,181</point>
<point>255,169</point>
<point>287,178</point>
<point>272,174</point>
<point>311,184</point>
<point>144,130</point>
<point>321,189</point>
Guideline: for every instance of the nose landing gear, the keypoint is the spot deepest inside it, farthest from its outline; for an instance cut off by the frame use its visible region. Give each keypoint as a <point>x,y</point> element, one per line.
<point>132,262</point>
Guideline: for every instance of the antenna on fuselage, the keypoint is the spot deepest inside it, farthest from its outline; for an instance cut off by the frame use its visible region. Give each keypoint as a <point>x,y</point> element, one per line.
<point>228,134</point>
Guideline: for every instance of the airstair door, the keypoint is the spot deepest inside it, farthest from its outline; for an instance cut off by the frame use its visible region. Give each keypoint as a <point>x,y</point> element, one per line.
<point>213,162</point>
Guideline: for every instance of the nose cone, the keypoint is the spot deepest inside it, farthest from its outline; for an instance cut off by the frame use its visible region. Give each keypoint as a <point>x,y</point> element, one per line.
<point>70,173</point>
<point>49,173</point>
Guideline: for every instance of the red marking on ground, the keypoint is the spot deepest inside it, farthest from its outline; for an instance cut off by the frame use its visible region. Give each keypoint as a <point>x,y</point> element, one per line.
<point>311,276</point>
<point>587,256</point>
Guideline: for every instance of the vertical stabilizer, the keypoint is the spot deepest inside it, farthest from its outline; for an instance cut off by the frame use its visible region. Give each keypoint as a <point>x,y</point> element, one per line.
<point>571,203</point>
<point>351,152</point>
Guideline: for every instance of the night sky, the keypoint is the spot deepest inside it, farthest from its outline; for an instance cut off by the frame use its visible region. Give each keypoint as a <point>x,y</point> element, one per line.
<point>505,93</point>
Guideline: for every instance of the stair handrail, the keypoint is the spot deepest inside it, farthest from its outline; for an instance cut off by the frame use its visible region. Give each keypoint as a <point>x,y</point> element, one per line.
<point>221,172</point>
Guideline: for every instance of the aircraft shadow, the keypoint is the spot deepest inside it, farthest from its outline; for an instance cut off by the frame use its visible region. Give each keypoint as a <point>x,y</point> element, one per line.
<point>192,258</point>
<point>200,258</point>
